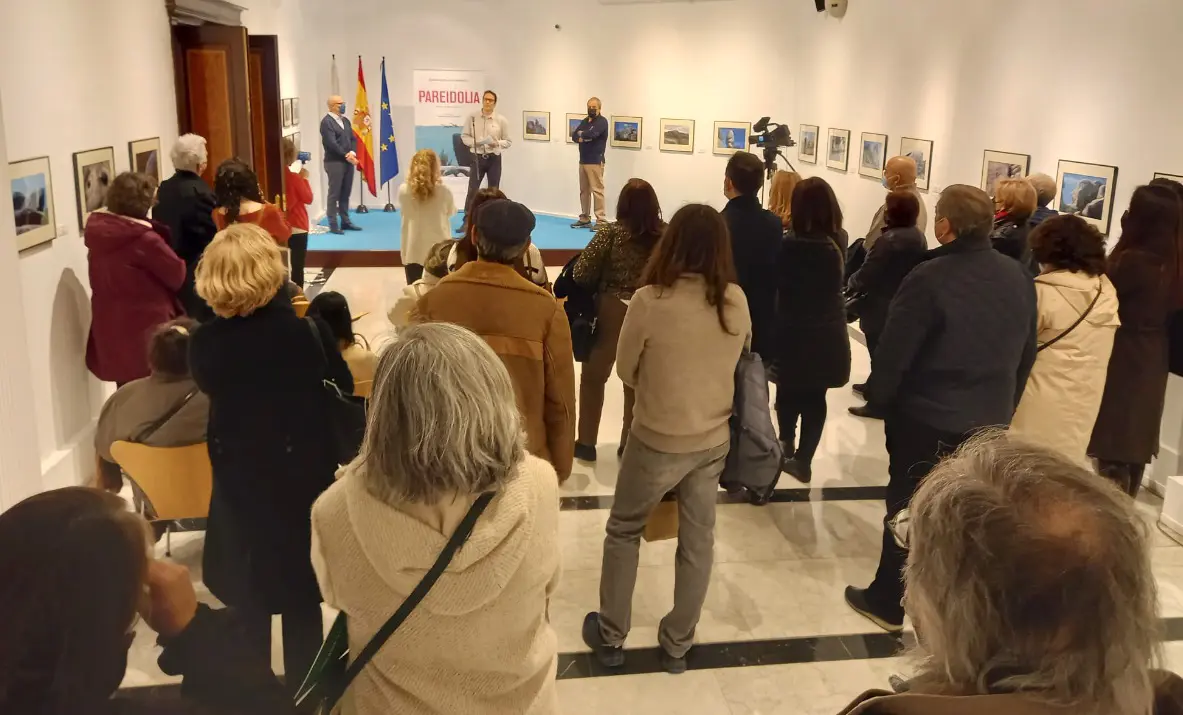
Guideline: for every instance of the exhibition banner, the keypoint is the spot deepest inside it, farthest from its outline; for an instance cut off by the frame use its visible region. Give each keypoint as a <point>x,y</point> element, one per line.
<point>444,100</point>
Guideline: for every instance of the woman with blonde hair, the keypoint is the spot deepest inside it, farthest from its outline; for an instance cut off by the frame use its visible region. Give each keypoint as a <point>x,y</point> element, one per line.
<point>427,208</point>
<point>269,437</point>
<point>1014,203</point>
<point>780,196</point>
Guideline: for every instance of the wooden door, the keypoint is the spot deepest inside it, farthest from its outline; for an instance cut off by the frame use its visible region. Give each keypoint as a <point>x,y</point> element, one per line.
<point>266,115</point>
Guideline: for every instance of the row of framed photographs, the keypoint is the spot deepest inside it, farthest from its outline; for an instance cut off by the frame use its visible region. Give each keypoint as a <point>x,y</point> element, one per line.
<point>627,132</point>
<point>31,187</point>
<point>291,112</point>
<point>872,156</point>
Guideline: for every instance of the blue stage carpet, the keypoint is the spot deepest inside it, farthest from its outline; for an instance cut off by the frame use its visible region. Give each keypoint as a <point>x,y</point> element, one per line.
<point>381,232</point>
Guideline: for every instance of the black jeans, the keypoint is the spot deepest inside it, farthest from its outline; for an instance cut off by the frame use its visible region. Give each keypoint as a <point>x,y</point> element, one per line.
<point>414,272</point>
<point>810,407</point>
<point>298,245</point>
<point>488,165</point>
<point>914,448</point>
<point>303,633</point>
<point>1127,477</point>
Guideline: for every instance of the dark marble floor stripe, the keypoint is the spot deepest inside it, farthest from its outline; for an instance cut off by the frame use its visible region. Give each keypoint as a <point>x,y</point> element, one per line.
<point>779,496</point>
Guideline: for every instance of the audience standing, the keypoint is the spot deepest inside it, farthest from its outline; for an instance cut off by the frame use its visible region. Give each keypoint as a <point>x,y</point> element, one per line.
<point>1045,193</point>
<point>1078,317</point>
<point>297,197</point>
<point>1145,269</point>
<point>427,208</point>
<point>241,201</point>
<point>333,309</point>
<point>780,195</point>
<point>185,203</point>
<point>1014,204</point>
<point>522,322</point>
<point>611,266</point>
<point>755,243</point>
<point>682,338</point>
<point>898,175</point>
<point>134,280</point>
<point>270,441</point>
<point>529,265</point>
<point>482,640</point>
<point>953,359</point>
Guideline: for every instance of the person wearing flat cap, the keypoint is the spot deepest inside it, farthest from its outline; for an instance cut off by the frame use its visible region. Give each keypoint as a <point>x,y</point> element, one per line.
<point>522,322</point>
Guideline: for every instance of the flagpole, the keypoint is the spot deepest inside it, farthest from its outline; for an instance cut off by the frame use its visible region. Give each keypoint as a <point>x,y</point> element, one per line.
<point>383,114</point>
<point>361,204</point>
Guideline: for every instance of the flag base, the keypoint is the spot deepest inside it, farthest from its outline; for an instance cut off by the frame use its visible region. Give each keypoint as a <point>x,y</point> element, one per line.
<point>361,209</point>
<point>389,208</point>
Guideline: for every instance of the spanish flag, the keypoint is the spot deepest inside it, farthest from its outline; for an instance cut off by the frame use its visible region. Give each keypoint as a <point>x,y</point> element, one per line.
<point>363,130</point>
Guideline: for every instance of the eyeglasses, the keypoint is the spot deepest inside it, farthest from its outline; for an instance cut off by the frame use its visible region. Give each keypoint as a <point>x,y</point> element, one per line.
<point>900,528</point>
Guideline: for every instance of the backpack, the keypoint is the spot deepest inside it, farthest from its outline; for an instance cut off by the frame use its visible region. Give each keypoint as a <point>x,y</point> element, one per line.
<point>580,307</point>
<point>754,460</point>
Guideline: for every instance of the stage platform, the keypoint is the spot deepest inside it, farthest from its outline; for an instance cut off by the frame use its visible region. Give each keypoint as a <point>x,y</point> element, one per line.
<point>377,244</point>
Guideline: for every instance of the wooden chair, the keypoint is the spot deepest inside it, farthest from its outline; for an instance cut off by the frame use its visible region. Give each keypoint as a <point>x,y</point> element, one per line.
<point>176,481</point>
<point>301,307</point>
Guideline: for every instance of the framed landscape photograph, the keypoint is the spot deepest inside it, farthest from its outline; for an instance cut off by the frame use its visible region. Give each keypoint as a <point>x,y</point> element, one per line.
<point>93,171</point>
<point>838,149</point>
<point>144,157</point>
<point>807,146</point>
<point>872,155</point>
<point>536,126</point>
<point>730,137</point>
<point>626,132</point>
<point>1086,190</point>
<point>920,150</point>
<point>677,135</point>
<point>1172,177</point>
<point>287,113</point>
<point>295,111</point>
<point>573,122</point>
<point>999,165</point>
<point>32,202</point>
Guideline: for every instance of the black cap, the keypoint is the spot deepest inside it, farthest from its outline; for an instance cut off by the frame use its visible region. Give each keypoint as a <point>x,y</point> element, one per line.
<point>504,222</point>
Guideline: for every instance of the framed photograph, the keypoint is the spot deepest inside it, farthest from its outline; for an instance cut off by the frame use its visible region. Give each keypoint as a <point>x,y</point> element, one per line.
<point>93,172</point>
<point>295,111</point>
<point>730,137</point>
<point>287,113</point>
<point>573,122</point>
<point>626,132</point>
<point>32,202</point>
<point>1086,190</point>
<point>677,135</point>
<point>807,146</point>
<point>999,165</point>
<point>536,126</point>
<point>144,157</point>
<point>921,152</point>
<point>1172,177</point>
<point>872,155</point>
<point>838,149</point>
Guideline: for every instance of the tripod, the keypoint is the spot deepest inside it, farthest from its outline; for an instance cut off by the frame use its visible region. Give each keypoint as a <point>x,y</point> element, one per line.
<point>770,153</point>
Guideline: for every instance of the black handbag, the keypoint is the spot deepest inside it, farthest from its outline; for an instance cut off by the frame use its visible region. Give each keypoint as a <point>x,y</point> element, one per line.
<point>346,413</point>
<point>580,307</point>
<point>332,672</point>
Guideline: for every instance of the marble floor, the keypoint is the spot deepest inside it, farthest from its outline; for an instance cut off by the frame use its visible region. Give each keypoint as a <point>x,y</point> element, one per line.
<point>775,634</point>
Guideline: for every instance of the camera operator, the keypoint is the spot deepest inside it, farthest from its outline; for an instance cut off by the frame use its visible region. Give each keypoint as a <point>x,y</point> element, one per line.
<point>297,197</point>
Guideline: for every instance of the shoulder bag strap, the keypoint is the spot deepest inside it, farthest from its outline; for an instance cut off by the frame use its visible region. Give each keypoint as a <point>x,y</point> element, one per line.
<point>172,412</point>
<point>1085,314</point>
<point>458,538</point>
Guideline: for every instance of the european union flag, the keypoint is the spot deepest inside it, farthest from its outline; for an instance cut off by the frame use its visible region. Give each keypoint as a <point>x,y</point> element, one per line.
<point>389,152</point>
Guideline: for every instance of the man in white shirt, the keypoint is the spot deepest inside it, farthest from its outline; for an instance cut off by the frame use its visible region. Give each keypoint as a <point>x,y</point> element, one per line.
<point>487,134</point>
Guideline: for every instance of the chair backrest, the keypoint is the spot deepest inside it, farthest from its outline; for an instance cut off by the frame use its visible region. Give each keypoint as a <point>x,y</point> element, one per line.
<point>363,388</point>
<point>176,480</point>
<point>301,307</point>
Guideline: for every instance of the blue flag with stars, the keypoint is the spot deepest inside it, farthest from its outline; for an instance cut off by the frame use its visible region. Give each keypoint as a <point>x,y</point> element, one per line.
<point>389,153</point>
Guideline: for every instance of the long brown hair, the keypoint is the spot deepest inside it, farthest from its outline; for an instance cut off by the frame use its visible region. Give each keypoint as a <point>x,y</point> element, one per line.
<point>73,564</point>
<point>815,209</point>
<point>780,196</point>
<point>695,241</point>
<point>1154,224</point>
<point>639,211</point>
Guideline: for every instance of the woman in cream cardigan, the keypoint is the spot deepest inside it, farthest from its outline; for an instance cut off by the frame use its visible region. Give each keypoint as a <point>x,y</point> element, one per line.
<point>427,208</point>
<point>481,641</point>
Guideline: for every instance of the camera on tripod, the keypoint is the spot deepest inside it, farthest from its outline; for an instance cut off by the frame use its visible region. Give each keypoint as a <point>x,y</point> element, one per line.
<point>771,137</point>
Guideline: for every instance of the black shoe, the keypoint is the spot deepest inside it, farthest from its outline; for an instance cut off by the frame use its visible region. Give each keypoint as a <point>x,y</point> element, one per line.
<point>856,598</point>
<point>337,231</point>
<point>787,450</point>
<point>672,665</point>
<point>350,227</point>
<point>866,411</point>
<point>609,656</point>
<point>581,224</point>
<point>585,453</point>
<point>859,389</point>
<point>799,470</point>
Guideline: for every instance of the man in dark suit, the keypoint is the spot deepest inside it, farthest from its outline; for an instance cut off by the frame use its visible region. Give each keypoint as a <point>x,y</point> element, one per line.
<point>755,242</point>
<point>185,203</point>
<point>340,158</point>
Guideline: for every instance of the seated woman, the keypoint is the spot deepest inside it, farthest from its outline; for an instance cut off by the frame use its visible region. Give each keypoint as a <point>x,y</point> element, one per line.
<point>333,309</point>
<point>530,266</point>
<point>164,409</point>
<point>241,201</point>
<point>434,269</point>
<point>481,642</point>
<point>75,579</point>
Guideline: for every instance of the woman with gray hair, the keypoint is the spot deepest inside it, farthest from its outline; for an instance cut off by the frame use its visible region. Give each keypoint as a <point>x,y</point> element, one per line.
<point>1029,583</point>
<point>444,428</point>
<point>185,203</point>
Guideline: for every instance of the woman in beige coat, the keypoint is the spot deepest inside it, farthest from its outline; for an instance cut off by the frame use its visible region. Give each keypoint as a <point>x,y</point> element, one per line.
<point>481,640</point>
<point>1077,323</point>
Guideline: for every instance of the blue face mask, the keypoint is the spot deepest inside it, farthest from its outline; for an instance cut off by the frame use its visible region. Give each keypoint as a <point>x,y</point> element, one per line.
<point>341,109</point>
<point>885,184</point>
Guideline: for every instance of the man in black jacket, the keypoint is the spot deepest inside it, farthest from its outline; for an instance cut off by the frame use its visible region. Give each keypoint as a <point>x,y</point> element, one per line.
<point>755,242</point>
<point>953,359</point>
<point>185,203</point>
<point>340,158</point>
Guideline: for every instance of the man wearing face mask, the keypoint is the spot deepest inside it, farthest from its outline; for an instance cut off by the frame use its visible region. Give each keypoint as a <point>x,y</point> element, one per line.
<point>340,158</point>
<point>900,174</point>
<point>592,137</point>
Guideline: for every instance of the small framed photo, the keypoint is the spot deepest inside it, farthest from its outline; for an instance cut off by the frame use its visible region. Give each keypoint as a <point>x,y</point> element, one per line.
<point>295,111</point>
<point>31,185</point>
<point>573,122</point>
<point>999,165</point>
<point>1086,190</point>
<point>920,150</point>
<point>730,137</point>
<point>838,149</point>
<point>144,157</point>
<point>872,155</point>
<point>1172,177</point>
<point>677,135</point>
<point>807,147</point>
<point>626,132</point>
<point>536,126</point>
<point>287,113</point>
<point>93,171</point>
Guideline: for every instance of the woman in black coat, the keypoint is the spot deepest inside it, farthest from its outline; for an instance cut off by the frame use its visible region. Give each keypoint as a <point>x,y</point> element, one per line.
<point>269,440</point>
<point>185,203</point>
<point>812,352</point>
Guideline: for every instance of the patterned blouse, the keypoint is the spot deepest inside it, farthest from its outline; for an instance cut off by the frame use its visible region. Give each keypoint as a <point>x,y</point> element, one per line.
<point>613,262</point>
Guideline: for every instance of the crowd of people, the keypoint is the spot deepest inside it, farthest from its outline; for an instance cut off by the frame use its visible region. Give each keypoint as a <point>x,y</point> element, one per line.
<point>1017,553</point>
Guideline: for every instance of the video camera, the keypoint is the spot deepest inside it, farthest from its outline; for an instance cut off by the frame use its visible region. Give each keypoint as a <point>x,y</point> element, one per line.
<point>771,137</point>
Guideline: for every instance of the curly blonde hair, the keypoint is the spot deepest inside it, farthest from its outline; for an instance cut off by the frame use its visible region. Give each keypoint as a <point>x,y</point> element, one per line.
<point>240,271</point>
<point>425,174</point>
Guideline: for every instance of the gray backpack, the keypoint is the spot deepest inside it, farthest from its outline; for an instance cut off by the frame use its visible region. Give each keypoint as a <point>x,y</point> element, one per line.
<point>755,456</point>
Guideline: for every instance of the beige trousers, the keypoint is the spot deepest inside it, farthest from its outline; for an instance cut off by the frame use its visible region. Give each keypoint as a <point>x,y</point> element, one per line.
<point>591,183</point>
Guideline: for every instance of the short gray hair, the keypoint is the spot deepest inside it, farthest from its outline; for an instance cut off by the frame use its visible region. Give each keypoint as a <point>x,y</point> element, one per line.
<point>189,153</point>
<point>968,209</point>
<point>443,418</point>
<point>495,252</point>
<point>1028,572</point>
<point>1045,188</point>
